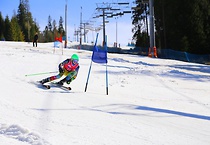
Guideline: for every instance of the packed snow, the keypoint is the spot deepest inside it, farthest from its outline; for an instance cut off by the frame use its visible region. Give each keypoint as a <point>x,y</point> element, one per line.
<point>151,101</point>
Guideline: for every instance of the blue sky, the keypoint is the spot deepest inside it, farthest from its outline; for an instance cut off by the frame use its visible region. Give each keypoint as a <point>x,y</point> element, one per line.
<point>41,9</point>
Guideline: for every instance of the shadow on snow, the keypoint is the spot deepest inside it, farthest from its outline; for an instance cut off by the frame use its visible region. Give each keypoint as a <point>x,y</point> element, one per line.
<point>130,107</point>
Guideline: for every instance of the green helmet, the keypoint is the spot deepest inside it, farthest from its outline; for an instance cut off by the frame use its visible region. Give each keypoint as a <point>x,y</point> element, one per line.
<point>75,57</point>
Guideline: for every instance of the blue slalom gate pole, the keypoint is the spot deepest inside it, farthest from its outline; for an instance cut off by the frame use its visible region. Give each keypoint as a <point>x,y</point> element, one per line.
<point>88,76</point>
<point>106,69</point>
<point>90,66</point>
<point>106,80</point>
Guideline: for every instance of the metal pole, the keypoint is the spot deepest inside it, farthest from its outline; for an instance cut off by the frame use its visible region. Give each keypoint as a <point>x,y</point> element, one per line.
<point>116,32</point>
<point>81,28</point>
<point>152,33</point>
<point>104,41</point>
<point>65,45</point>
<point>84,34</point>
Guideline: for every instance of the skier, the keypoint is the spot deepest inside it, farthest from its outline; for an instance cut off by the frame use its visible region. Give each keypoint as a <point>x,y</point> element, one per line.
<point>35,39</point>
<point>68,68</point>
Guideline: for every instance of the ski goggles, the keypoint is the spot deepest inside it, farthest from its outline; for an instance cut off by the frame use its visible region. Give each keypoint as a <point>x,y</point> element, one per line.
<point>75,61</point>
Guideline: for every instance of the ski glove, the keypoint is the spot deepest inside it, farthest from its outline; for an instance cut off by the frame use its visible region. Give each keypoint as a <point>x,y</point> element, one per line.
<point>60,67</point>
<point>71,79</point>
<point>68,82</point>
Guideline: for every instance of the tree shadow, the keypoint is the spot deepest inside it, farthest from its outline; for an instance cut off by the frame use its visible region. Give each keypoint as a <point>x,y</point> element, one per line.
<point>110,109</point>
<point>189,72</point>
<point>167,111</point>
<point>196,68</point>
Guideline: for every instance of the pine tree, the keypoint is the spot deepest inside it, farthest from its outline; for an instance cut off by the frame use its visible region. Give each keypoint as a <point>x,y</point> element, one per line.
<point>27,26</point>
<point>17,34</point>
<point>34,29</point>
<point>140,29</point>
<point>50,23</point>
<point>55,31</point>
<point>22,18</point>
<point>60,28</point>
<point>54,26</point>
<point>7,32</point>
<point>183,25</point>
<point>200,28</point>
<point>1,27</point>
<point>48,32</point>
<point>25,19</point>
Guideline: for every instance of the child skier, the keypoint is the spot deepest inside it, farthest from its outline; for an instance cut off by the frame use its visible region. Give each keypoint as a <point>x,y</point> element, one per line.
<point>68,68</point>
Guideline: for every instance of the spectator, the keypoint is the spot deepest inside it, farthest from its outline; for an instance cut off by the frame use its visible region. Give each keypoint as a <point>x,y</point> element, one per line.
<point>35,39</point>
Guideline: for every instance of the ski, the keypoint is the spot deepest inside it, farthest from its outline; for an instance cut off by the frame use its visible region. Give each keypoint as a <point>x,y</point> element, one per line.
<point>62,86</point>
<point>41,85</point>
<point>46,86</point>
<point>65,87</point>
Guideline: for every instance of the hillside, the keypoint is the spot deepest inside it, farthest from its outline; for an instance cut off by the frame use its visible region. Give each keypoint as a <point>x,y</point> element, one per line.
<point>150,101</point>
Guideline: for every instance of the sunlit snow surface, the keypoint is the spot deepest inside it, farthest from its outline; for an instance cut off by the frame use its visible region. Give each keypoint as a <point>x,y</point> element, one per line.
<point>151,101</point>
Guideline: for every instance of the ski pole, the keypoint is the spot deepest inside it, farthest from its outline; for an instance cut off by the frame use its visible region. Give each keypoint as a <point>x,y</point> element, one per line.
<point>42,73</point>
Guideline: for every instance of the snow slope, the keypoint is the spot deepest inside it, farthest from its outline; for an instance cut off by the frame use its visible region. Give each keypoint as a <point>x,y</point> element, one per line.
<point>150,101</point>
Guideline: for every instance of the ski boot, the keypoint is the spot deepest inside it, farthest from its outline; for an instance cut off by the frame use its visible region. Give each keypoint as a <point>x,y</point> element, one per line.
<point>44,81</point>
<point>61,82</point>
